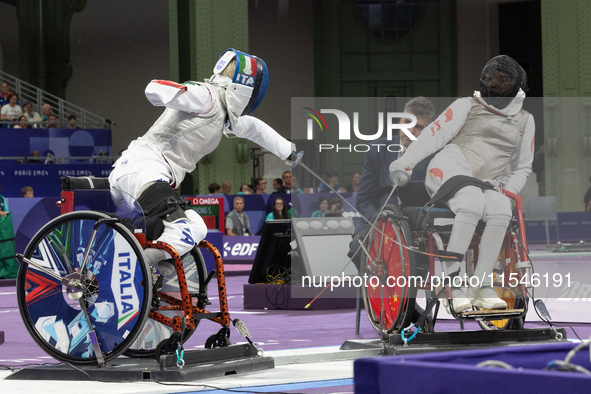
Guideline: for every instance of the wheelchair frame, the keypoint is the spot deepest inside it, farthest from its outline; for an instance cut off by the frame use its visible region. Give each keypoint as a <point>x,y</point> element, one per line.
<point>191,312</point>
<point>428,241</point>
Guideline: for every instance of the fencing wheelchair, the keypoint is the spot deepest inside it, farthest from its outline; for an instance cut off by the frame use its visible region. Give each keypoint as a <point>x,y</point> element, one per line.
<point>85,290</point>
<point>399,251</point>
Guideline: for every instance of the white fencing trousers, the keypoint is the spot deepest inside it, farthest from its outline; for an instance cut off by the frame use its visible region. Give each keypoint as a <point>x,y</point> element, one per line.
<point>470,204</point>
<point>141,165</point>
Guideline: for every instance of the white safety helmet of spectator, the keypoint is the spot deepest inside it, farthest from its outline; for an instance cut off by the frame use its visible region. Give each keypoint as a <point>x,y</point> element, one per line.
<point>249,84</point>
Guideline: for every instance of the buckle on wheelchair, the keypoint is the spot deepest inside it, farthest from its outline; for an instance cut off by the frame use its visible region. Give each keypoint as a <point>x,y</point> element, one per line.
<point>411,337</point>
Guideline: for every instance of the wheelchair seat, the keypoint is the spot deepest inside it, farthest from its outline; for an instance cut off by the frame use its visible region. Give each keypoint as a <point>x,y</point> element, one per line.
<point>414,198</point>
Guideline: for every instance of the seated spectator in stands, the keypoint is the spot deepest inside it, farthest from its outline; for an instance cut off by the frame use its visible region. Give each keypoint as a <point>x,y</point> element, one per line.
<point>72,123</point>
<point>214,188</point>
<point>4,93</point>
<point>336,207</point>
<point>277,185</point>
<point>3,204</point>
<point>226,188</point>
<point>293,213</point>
<point>260,184</point>
<point>45,112</point>
<point>33,117</point>
<point>54,122</point>
<point>287,181</point>
<point>323,205</point>
<point>12,110</point>
<point>23,123</point>
<point>284,183</point>
<point>237,221</point>
<point>295,185</point>
<point>246,189</point>
<point>34,158</point>
<point>279,210</point>
<point>355,180</point>
<point>27,192</point>
<point>333,181</point>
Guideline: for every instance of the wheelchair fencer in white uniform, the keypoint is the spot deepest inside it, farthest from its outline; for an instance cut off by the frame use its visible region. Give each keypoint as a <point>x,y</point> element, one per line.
<point>196,117</point>
<point>489,137</point>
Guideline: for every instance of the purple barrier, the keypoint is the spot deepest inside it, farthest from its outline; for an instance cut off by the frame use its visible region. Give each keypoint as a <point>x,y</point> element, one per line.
<point>452,372</point>
<point>572,227</point>
<point>44,178</point>
<point>58,142</point>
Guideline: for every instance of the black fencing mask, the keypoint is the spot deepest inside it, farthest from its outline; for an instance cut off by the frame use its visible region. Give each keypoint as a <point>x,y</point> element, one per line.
<point>500,80</point>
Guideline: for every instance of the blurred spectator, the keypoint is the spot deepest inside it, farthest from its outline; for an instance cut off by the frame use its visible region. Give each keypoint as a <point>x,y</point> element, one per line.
<point>287,181</point>
<point>277,184</point>
<point>34,157</point>
<point>4,93</point>
<point>23,123</point>
<point>33,117</point>
<point>12,110</point>
<point>27,192</point>
<point>295,185</point>
<point>72,123</point>
<point>237,221</point>
<point>54,122</point>
<point>260,184</point>
<point>246,189</point>
<point>285,187</point>
<point>333,181</point>
<point>214,188</point>
<point>336,207</point>
<point>279,210</point>
<point>323,205</point>
<point>3,204</point>
<point>45,112</point>
<point>226,188</point>
<point>352,188</point>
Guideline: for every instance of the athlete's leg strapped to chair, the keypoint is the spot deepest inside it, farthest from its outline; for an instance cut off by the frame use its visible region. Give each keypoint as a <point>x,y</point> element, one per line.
<point>170,219</point>
<point>470,200</point>
<point>470,205</point>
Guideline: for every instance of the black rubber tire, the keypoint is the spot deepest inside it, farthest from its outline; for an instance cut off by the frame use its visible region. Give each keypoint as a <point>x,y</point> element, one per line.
<point>402,317</point>
<point>220,339</point>
<point>202,275</point>
<point>71,231</point>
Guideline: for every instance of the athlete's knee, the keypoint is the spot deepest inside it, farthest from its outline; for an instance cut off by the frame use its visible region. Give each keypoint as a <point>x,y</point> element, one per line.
<point>178,235</point>
<point>498,208</point>
<point>197,225</point>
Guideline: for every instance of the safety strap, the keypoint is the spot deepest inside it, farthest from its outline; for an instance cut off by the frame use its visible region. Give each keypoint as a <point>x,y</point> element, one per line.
<point>455,183</point>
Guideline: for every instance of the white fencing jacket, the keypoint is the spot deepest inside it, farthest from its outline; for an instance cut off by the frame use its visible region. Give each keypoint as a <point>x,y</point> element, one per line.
<point>194,121</point>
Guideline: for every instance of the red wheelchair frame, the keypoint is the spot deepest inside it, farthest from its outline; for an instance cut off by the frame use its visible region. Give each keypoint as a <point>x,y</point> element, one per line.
<point>392,251</point>
<point>192,311</point>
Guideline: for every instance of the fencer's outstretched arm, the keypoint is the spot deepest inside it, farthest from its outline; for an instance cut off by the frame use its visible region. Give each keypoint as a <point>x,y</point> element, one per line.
<point>436,135</point>
<point>262,134</point>
<point>522,165</point>
<point>189,97</point>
